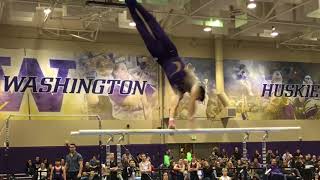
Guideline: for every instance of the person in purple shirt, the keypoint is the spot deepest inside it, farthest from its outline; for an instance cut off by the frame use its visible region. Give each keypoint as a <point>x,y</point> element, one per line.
<point>161,47</point>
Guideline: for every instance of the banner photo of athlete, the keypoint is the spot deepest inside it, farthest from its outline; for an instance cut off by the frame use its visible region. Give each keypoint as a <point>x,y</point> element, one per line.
<point>121,105</point>
<point>42,82</point>
<point>205,71</point>
<point>272,90</point>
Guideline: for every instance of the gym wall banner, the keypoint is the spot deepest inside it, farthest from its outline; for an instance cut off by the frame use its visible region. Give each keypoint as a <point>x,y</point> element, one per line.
<point>111,85</point>
<point>272,90</point>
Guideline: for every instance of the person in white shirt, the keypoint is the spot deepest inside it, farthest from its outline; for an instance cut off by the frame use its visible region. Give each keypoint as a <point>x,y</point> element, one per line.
<point>225,175</point>
<point>287,156</point>
<point>42,172</point>
<point>145,168</point>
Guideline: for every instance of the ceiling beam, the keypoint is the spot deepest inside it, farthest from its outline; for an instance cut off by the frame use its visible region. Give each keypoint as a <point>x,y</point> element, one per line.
<point>191,14</point>
<point>270,18</point>
<point>275,5</point>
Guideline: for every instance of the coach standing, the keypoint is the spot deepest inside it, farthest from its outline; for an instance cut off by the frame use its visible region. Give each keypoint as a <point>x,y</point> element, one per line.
<point>74,163</point>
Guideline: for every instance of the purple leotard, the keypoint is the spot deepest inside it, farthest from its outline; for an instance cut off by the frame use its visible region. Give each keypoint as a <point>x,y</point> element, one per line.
<point>162,48</point>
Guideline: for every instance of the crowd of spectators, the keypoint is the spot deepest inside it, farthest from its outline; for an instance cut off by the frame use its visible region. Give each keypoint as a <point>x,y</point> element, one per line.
<point>187,166</point>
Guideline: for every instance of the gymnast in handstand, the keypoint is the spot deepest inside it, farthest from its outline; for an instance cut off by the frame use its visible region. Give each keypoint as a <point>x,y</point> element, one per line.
<point>161,48</point>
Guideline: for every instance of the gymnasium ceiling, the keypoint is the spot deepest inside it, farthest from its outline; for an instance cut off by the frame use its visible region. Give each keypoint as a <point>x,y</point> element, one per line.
<point>297,21</point>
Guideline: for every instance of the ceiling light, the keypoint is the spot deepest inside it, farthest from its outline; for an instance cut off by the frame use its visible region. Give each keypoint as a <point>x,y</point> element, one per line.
<point>207,29</point>
<point>274,33</point>
<point>252,4</point>
<point>132,24</point>
<point>47,11</point>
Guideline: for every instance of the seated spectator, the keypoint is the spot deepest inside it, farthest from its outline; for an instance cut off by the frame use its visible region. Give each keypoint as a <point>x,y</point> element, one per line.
<point>30,168</point>
<point>42,172</point>
<point>225,175</point>
<point>224,153</point>
<point>37,162</point>
<point>193,168</point>
<point>58,172</point>
<point>256,171</point>
<point>217,170</point>
<point>256,155</point>
<point>89,173</point>
<point>145,167</point>
<point>236,155</point>
<point>179,169</point>
<point>45,161</point>
<point>127,155</point>
<point>113,167</point>
<point>94,163</point>
<point>291,173</point>
<point>215,153</point>
<point>207,171</point>
<point>297,153</point>
<point>129,171</point>
<point>314,159</point>
<point>270,156</point>
<point>274,168</point>
<point>165,176</point>
<point>231,169</point>
<point>286,156</point>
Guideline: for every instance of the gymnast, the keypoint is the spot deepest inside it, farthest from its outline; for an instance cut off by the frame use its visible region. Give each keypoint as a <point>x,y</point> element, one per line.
<point>164,51</point>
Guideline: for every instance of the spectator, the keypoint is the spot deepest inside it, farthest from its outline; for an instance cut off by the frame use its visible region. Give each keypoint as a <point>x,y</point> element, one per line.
<point>74,163</point>
<point>42,172</point>
<point>37,162</point>
<point>217,170</point>
<point>30,168</point>
<point>165,176</point>
<point>179,169</point>
<point>269,156</point>
<point>291,173</point>
<point>45,161</point>
<point>88,172</point>
<point>94,163</point>
<point>113,167</point>
<point>58,172</point>
<point>257,156</point>
<point>127,155</point>
<point>297,153</point>
<point>236,154</point>
<point>274,167</point>
<point>129,171</point>
<point>314,159</point>
<point>231,169</point>
<point>255,165</point>
<point>215,154</point>
<point>145,168</point>
<point>286,156</point>
<point>224,175</point>
<point>207,171</point>
<point>277,155</point>
<point>224,153</point>
<point>63,162</point>
<point>193,169</point>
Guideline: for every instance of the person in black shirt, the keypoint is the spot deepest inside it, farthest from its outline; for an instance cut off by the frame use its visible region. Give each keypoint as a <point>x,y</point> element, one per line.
<point>113,168</point>
<point>207,171</point>
<point>30,168</point>
<point>129,170</point>
<point>236,154</point>
<point>37,162</point>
